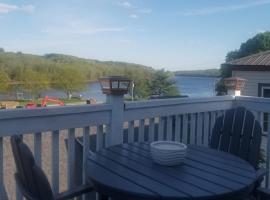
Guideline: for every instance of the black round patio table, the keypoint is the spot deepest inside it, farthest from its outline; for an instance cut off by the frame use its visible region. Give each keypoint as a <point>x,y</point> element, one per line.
<point>127,172</point>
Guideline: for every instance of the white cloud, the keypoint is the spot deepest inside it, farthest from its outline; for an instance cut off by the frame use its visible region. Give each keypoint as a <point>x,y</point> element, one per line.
<point>7,8</point>
<point>134,16</point>
<point>260,30</point>
<point>89,30</point>
<point>74,28</point>
<point>124,4</point>
<point>217,9</point>
<point>145,11</point>
<point>27,8</point>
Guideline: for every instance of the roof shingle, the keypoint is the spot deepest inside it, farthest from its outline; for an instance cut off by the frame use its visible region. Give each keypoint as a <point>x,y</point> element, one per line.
<point>258,59</point>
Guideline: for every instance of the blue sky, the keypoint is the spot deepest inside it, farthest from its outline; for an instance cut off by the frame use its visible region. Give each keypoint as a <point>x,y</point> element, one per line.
<point>171,34</point>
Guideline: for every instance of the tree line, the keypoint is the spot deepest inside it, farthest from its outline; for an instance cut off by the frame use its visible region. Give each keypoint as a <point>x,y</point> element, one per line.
<point>34,74</point>
<point>199,73</point>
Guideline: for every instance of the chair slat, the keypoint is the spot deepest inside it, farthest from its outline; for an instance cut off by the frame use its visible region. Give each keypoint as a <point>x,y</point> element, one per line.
<point>55,161</point>
<point>228,120</point>
<point>237,131</point>
<point>215,137</point>
<point>247,130</point>
<point>18,194</point>
<point>71,157</point>
<point>226,131</point>
<point>254,149</point>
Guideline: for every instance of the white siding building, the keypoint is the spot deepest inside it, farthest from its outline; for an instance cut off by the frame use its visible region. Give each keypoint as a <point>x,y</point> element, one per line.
<point>256,70</point>
<point>257,82</point>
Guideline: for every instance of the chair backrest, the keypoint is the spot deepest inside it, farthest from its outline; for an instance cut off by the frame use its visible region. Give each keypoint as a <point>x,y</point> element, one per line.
<point>238,133</point>
<point>30,178</point>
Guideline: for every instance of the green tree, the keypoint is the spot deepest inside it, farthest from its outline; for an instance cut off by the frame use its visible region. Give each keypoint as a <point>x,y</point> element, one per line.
<point>4,81</point>
<point>2,50</point>
<point>69,79</point>
<point>256,44</point>
<point>232,55</point>
<point>50,66</point>
<point>34,82</point>
<point>141,79</point>
<point>162,84</point>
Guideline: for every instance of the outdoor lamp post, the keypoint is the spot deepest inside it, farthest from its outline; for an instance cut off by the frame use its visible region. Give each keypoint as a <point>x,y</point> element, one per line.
<point>115,87</point>
<point>234,85</point>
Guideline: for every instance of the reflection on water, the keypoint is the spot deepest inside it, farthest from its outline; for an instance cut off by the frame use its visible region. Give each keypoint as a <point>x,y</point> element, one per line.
<point>196,86</point>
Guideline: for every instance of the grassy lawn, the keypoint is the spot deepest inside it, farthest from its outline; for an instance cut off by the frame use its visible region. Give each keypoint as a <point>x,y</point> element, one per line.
<point>38,101</point>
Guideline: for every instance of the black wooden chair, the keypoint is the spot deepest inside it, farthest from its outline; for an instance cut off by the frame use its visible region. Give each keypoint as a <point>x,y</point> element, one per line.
<point>238,133</point>
<point>32,181</point>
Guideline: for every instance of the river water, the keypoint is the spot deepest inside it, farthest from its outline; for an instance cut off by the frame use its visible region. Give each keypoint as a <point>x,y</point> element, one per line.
<point>190,86</point>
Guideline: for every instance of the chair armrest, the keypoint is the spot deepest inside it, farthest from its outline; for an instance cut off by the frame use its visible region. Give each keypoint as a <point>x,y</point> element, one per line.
<point>77,191</point>
<point>263,193</point>
<point>260,173</point>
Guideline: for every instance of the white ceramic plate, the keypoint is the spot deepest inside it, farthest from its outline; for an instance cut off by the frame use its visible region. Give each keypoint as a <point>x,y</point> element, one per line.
<point>168,146</point>
<point>168,153</point>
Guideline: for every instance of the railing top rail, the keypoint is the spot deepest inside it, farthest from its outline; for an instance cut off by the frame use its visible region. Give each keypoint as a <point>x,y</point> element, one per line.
<point>52,111</point>
<point>175,101</point>
<point>154,108</point>
<point>254,103</point>
<point>253,99</point>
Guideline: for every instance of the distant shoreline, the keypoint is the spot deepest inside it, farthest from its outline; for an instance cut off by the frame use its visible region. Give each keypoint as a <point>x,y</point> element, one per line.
<point>199,73</point>
<point>197,76</point>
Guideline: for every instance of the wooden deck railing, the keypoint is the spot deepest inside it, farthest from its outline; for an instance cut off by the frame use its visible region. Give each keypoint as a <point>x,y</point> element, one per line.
<point>49,131</point>
<point>45,131</point>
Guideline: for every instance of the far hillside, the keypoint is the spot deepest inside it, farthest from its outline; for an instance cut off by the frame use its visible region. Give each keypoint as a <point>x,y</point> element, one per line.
<point>204,73</point>
<point>28,73</point>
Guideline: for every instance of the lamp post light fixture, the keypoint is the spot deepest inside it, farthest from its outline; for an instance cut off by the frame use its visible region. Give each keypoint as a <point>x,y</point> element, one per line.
<point>234,85</point>
<point>115,85</point>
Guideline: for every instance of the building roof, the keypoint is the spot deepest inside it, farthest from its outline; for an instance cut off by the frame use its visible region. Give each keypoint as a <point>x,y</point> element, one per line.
<point>255,62</point>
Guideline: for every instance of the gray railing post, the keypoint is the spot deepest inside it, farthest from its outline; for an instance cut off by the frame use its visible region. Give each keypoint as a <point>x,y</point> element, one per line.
<point>115,87</point>
<point>115,135</point>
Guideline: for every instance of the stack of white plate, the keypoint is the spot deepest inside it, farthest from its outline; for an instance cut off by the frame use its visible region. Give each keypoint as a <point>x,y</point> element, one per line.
<point>168,153</point>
